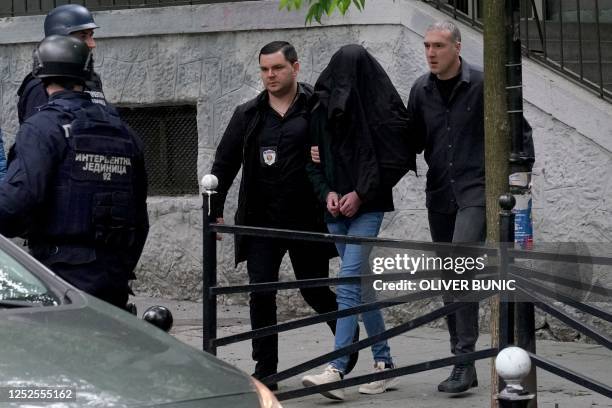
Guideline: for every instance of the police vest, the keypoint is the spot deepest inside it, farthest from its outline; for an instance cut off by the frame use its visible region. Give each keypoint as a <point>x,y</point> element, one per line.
<point>32,95</point>
<point>91,201</point>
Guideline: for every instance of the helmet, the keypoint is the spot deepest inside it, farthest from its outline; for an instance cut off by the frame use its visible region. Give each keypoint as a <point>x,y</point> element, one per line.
<point>62,56</point>
<point>67,19</point>
<point>159,316</point>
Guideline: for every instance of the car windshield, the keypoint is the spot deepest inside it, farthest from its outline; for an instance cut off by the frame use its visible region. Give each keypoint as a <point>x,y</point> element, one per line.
<point>21,288</point>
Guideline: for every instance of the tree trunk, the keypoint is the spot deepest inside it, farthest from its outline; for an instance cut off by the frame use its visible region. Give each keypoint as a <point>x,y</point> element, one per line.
<point>497,139</point>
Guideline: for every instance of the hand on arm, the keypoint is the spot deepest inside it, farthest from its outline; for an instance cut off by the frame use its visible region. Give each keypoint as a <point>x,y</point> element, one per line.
<point>219,220</point>
<point>314,154</point>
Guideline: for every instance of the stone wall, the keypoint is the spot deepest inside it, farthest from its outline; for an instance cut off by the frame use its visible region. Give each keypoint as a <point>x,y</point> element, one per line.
<point>207,55</point>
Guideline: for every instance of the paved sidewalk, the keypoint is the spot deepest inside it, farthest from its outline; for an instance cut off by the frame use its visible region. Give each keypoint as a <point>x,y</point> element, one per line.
<point>414,391</point>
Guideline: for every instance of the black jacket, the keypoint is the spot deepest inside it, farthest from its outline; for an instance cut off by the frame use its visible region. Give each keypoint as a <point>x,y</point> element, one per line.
<point>361,127</point>
<point>452,136</point>
<point>239,148</point>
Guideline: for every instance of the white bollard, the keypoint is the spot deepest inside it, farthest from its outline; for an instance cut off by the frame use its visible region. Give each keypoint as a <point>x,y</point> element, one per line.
<point>513,364</point>
<point>210,182</point>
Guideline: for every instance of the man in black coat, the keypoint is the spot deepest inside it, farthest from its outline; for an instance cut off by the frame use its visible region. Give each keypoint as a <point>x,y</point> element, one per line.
<point>268,137</point>
<point>446,109</point>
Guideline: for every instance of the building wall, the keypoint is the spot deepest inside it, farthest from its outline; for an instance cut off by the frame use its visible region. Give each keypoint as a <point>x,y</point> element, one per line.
<point>207,55</point>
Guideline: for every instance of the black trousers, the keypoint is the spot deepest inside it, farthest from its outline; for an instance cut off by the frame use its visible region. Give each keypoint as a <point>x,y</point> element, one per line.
<point>105,285</point>
<point>467,225</point>
<point>264,257</point>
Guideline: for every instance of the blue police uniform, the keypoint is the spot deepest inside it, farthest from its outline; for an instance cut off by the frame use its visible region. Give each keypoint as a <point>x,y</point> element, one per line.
<point>76,188</point>
<point>33,96</point>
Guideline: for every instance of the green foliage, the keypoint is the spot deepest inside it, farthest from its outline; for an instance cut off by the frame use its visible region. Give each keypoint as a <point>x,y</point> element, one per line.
<point>318,8</point>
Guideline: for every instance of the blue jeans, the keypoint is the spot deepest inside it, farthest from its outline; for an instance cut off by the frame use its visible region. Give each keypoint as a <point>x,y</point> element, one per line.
<point>354,262</point>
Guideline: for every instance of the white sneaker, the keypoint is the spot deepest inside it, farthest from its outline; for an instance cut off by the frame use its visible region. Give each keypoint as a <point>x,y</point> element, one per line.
<point>330,374</point>
<point>380,386</point>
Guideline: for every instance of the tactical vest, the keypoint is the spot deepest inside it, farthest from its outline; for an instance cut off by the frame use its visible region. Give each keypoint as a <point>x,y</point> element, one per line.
<point>32,95</point>
<point>91,199</point>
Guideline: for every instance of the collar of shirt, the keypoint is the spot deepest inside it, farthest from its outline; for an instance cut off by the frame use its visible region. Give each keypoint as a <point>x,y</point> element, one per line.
<point>70,95</point>
<point>465,75</point>
<point>263,103</point>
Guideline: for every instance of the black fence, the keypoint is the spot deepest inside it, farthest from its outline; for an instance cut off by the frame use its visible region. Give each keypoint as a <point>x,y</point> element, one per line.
<point>11,8</point>
<point>514,317</point>
<point>572,37</point>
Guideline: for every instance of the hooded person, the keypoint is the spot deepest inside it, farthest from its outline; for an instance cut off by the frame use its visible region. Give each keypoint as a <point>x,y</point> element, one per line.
<point>361,127</point>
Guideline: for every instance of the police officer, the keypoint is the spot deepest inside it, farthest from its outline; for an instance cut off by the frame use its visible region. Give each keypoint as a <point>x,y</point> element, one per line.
<point>69,19</point>
<point>268,137</point>
<point>76,185</point>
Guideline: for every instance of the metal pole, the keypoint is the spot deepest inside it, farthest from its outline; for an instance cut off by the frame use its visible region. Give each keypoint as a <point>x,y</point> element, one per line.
<point>544,34</point>
<point>506,237</point>
<point>561,34</point>
<point>525,339</point>
<point>598,31</point>
<point>525,321</point>
<point>526,8</point>
<point>579,38</point>
<point>514,85</point>
<point>209,273</point>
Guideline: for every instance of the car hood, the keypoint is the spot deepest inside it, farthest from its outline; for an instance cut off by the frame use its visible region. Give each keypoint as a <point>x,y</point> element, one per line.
<point>112,358</point>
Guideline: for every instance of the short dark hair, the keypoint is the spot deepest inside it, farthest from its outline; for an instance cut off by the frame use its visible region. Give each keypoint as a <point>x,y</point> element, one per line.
<point>65,82</point>
<point>275,46</point>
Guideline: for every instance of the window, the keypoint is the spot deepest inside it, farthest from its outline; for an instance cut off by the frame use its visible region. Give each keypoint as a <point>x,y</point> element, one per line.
<point>18,284</point>
<point>170,136</point>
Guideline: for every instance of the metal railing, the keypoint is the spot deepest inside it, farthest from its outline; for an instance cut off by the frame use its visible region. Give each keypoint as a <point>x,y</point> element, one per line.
<point>573,41</point>
<point>528,282</point>
<point>13,8</point>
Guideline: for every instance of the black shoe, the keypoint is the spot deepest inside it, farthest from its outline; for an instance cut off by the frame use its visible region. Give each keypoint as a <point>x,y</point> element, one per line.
<point>261,375</point>
<point>462,378</point>
<point>355,356</point>
<point>272,387</point>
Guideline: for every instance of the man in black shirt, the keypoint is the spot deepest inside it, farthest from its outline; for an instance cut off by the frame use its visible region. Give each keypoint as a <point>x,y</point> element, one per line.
<point>268,137</point>
<point>446,113</point>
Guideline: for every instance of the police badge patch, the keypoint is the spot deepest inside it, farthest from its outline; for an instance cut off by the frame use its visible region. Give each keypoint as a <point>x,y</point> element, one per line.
<point>269,156</point>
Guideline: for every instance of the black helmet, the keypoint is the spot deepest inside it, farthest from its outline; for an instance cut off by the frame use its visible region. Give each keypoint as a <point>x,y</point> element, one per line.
<point>62,56</point>
<point>67,19</point>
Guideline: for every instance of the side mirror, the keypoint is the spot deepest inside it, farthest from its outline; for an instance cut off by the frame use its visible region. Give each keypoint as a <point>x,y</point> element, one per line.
<point>159,316</point>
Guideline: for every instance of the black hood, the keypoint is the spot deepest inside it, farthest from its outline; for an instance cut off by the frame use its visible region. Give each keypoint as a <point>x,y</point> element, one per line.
<point>367,120</point>
<point>352,70</point>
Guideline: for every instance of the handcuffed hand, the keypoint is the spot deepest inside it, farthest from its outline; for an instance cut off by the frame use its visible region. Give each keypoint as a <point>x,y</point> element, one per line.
<point>349,204</point>
<point>333,203</point>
